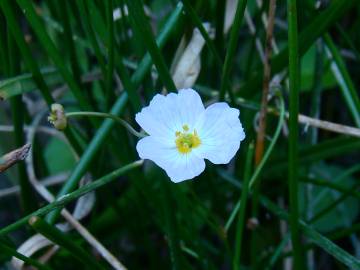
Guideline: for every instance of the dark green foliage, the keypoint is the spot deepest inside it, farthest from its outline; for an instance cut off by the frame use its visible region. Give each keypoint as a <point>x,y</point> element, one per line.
<point>304,194</point>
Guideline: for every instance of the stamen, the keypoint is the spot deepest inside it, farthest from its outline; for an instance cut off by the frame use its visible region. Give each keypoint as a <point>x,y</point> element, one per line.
<point>186,141</point>
<point>185,127</point>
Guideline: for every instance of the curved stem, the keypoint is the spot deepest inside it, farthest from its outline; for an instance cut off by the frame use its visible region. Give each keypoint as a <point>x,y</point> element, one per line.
<point>266,156</point>
<point>108,115</point>
<point>254,178</point>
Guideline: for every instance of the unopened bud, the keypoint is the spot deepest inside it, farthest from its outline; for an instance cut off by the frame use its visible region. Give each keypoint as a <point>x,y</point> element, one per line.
<point>57,116</point>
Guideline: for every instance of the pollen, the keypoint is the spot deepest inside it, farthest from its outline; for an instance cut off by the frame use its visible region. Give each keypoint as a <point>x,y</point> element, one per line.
<point>185,141</point>
<point>185,127</point>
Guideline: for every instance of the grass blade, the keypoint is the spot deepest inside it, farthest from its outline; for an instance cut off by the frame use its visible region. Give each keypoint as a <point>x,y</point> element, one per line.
<point>234,36</point>
<point>294,79</point>
<point>62,201</point>
<point>197,22</point>
<point>241,219</point>
<point>55,235</point>
<point>316,237</point>
<point>32,65</point>
<point>319,24</point>
<point>55,55</point>
<point>105,128</point>
<point>28,201</point>
<point>5,249</point>
<point>110,56</point>
<point>346,84</point>
<point>136,10</point>
<point>69,42</point>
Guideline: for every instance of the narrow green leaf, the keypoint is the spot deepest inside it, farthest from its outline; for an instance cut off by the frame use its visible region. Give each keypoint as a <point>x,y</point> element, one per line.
<point>34,68</point>
<point>67,198</point>
<point>136,10</point>
<point>318,25</point>
<point>12,252</point>
<point>316,237</point>
<point>243,201</point>
<point>234,36</point>
<point>49,46</point>
<point>55,235</point>
<point>327,149</point>
<point>197,22</point>
<point>346,84</point>
<point>83,9</point>
<point>25,51</point>
<point>65,13</point>
<point>294,80</point>
<point>28,201</point>
<point>105,128</point>
<point>26,83</point>
<point>109,94</point>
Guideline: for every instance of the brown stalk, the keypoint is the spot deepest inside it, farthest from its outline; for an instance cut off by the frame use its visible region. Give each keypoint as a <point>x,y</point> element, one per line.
<point>14,157</point>
<point>266,84</point>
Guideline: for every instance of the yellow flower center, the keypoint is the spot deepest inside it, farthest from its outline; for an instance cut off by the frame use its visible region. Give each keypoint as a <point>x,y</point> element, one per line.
<point>186,141</point>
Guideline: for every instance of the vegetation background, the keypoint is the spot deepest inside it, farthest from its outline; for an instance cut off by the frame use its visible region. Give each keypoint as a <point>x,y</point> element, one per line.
<point>288,200</point>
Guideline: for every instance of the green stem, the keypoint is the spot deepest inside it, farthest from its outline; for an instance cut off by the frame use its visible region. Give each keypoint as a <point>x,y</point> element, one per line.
<point>243,201</point>
<point>85,15</point>
<point>318,239</point>
<point>55,235</point>
<point>69,42</point>
<point>294,80</point>
<point>118,107</point>
<point>230,55</point>
<point>278,251</point>
<point>316,27</point>
<point>346,84</point>
<point>346,191</point>
<point>110,116</point>
<point>54,54</point>
<point>136,10</point>
<point>110,59</point>
<point>266,156</point>
<point>333,205</point>
<point>33,66</point>
<point>197,22</point>
<point>12,252</point>
<point>28,201</point>
<point>335,186</point>
<point>171,224</point>
<point>259,168</point>
<point>67,198</point>
<point>89,154</point>
<point>219,26</point>
<point>348,40</point>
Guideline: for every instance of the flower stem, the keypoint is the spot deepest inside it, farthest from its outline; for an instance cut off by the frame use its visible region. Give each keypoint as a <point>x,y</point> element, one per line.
<point>108,115</point>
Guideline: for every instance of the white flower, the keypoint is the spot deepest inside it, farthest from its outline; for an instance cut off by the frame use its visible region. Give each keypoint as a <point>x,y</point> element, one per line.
<point>183,133</point>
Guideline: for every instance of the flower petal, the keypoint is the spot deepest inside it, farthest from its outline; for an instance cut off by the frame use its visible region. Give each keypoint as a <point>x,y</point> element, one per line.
<point>167,114</point>
<point>190,106</point>
<point>178,167</point>
<point>158,119</point>
<point>220,132</point>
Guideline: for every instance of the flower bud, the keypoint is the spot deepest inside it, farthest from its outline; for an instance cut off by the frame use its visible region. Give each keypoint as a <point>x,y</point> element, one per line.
<point>57,116</point>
